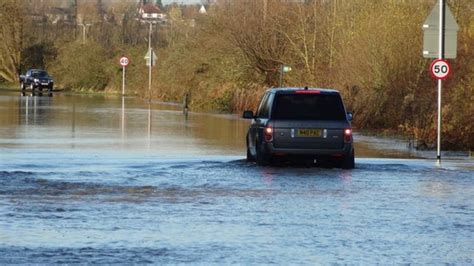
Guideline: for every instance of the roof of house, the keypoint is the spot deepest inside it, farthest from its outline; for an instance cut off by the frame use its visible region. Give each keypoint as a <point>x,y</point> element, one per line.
<point>150,9</point>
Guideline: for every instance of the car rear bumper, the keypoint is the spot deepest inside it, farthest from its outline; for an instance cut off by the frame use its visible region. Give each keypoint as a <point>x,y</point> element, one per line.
<point>43,84</point>
<point>346,150</point>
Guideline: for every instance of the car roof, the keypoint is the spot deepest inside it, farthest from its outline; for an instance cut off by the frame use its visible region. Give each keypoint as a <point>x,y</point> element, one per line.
<point>293,89</point>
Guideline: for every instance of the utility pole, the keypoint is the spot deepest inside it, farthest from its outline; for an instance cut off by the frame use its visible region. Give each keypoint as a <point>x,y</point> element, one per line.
<point>151,17</point>
<point>75,20</point>
<point>150,56</point>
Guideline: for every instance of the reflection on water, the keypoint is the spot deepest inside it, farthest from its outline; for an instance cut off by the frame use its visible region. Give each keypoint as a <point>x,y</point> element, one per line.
<point>109,122</point>
<point>123,117</point>
<point>126,123</point>
<point>36,93</point>
<point>31,111</point>
<point>149,124</point>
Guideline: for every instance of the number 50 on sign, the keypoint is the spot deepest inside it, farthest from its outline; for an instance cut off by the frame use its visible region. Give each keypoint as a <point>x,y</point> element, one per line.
<point>440,69</point>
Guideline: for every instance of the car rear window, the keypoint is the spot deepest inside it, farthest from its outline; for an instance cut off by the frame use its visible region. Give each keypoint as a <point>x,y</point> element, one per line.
<point>308,107</point>
<point>39,74</point>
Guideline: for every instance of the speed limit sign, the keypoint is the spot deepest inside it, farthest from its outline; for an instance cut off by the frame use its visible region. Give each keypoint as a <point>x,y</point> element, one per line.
<point>124,61</point>
<point>440,69</point>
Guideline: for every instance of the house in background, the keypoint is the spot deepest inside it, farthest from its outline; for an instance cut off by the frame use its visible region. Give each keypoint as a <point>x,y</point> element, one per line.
<point>149,11</point>
<point>203,10</point>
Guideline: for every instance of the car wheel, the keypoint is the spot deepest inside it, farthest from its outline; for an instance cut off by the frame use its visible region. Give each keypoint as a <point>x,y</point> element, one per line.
<point>263,158</point>
<point>22,86</point>
<point>50,88</point>
<point>32,87</point>
<point>250,158</point>
<point>348,162</point>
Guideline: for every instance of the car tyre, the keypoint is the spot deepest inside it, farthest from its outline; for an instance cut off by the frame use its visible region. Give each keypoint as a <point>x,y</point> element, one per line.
<point>22,86</point>
<point>50,88</point>
<point>348,162</point>
<point>32,87</point>
<point>263,159</point>
<point>250,157</point>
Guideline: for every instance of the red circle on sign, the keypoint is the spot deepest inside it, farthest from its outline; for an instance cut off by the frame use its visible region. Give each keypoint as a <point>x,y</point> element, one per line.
<point>440,69</point>
<point>124,61</point>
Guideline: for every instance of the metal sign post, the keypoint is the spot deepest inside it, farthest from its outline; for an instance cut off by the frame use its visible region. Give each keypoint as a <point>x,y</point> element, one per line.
<point>150,59</point>
<point>440,41</point>
<point>440,81</point>
<point>124,61</point>
<point>123,81</point>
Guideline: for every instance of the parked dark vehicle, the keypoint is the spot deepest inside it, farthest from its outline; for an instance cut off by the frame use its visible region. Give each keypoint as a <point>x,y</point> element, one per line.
<point>36,79</point>
<point>306,124</point>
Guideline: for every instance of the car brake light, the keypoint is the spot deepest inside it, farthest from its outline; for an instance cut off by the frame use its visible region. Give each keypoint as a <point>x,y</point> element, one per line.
<point>347,135</point>
<point>308,92</point>
<point>268,133</point>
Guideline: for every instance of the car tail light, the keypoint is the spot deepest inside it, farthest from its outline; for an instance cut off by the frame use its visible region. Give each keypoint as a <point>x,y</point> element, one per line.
<point>268,133</point>
<point>347,135</point>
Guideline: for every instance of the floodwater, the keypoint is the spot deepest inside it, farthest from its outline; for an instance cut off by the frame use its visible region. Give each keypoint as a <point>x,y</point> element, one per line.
<point>101,179</point>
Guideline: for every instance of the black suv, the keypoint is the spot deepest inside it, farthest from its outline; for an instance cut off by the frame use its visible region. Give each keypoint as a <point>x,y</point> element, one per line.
<point>301,123</point>
<point>36,78</point>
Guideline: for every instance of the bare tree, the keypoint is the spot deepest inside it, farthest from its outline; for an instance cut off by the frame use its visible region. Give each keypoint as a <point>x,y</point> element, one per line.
<point>251,26</point>
<point>11,31</point>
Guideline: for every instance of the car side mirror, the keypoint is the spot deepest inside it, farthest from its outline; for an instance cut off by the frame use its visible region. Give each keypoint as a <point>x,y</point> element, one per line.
<point>248,115</point>
<point>350,116</point>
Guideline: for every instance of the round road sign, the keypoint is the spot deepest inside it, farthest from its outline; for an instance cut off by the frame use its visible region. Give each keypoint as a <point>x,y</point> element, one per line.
<point>440,69</point>
<point>124,61</point>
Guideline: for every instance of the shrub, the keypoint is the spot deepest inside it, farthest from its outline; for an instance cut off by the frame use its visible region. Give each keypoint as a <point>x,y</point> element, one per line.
<point>81,66</point>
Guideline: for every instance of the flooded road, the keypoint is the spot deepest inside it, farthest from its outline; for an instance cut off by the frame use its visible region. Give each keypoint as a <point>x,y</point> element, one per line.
<point>94,179</point>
